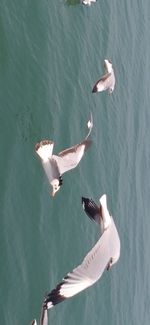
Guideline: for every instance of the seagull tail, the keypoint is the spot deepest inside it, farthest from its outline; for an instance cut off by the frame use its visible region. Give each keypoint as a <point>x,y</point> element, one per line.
<point>44,149</point>
<point>90,126</point>
<point>91,209</point>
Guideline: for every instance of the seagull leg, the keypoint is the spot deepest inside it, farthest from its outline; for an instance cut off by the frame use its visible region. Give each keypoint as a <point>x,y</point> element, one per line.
<point>60,180</point>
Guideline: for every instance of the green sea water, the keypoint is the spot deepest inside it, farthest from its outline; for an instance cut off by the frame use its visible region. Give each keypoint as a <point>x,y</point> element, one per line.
<point>51,54</point>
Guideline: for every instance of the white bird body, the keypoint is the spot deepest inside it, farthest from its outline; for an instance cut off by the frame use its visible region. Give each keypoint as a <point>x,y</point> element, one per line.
<point>103,255</point>
<point>88,2</point>
<point>56,165</point>
<point>107,81</point>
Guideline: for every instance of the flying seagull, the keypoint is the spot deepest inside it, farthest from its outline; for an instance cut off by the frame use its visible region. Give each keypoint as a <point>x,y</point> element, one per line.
<point>44,318</point>
<point>88,2</point>
<point>56,165</point>
<point>102,256</point>
<point>107,81</point>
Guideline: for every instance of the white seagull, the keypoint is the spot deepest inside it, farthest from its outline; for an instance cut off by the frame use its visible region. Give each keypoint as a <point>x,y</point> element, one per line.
<point>43,319</point>
<point>56,165</point>
<point>107,81</point>
<point>88,2</point>
<point>102,256</point>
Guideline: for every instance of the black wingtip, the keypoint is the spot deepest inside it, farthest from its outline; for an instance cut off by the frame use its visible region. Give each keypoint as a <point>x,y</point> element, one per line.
<point>54,297</point>
<point>94,90</point>
<point>91,209</point>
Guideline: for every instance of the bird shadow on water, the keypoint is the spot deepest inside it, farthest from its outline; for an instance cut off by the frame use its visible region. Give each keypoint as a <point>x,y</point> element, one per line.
<point>73,2</point>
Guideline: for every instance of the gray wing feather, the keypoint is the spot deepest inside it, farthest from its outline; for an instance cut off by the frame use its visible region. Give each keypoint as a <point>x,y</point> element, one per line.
<point>106,81</point>
<point>89,271</point>
<point>70,158</point>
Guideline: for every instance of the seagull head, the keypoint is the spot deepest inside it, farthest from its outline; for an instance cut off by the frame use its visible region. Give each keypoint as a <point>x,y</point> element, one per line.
<point>108,65</point>
<point>56,186</point>
<point>104,213</point>
<point>110,90</point>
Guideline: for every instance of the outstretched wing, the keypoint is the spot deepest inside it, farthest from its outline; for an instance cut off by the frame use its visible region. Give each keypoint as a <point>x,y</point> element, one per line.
<point>85,274</point>
<point>70,158</point>
<point>44,149</point>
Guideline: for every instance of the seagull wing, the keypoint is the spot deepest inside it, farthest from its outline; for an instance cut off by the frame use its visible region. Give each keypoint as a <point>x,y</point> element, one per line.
<point>89,271</point>
<point>70,158</point>
<point>103,83</point>
<point>44,149</point>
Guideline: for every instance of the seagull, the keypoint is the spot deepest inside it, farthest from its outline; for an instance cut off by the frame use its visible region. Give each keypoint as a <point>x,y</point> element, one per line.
<point>102,256</point>
<point>107,81</point>
<point>44,318</point>
<point>56,165</point>
<point>88,2</point>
